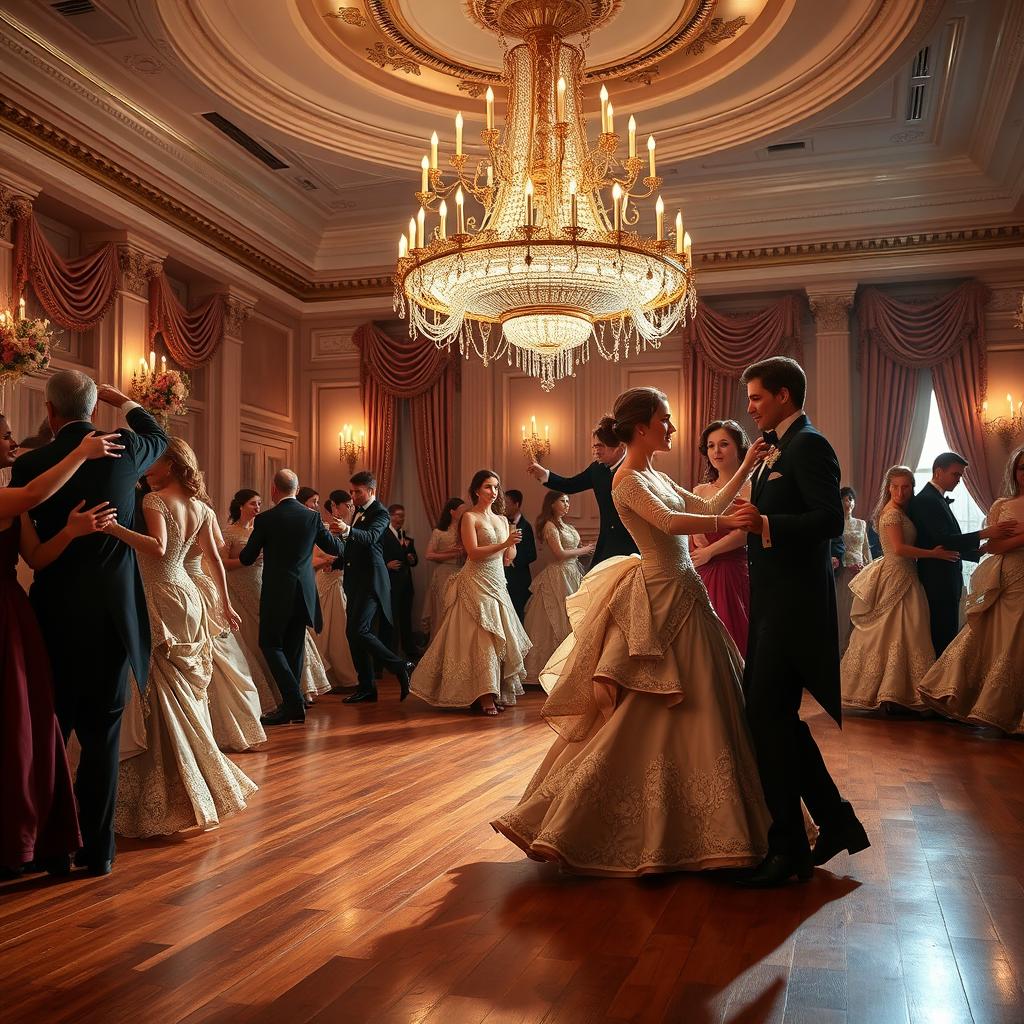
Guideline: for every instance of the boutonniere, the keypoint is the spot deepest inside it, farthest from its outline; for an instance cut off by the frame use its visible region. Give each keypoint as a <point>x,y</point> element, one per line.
<point>772,457</point>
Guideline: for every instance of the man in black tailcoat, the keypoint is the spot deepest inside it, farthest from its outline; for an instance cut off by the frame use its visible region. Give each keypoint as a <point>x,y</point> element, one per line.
<point>517,575</point>
<point>368,589</point>
<point>89,601</point>
<point>936,525</point>
<point>793,515</point>
<point>400,558</point>
<point>286,535</point>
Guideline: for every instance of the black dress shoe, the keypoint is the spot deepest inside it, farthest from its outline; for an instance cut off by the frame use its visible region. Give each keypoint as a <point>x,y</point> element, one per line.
<point>361,697</point>
<point>93,865</point>
<point>403,674</point>
<point>283,716</point>
<point>777,869</point>
<point>848,835</point>
<point>58,866</point>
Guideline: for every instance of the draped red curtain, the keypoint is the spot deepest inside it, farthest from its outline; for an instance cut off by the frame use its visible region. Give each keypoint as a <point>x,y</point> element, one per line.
<point>191,336</point>
<point>947,337</point>
<point>396,369</point>
<point>75,293</point>
<point>720,347</point>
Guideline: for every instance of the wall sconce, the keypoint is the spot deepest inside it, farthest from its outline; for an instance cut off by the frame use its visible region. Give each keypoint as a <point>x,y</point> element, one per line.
<point>535,448</point>
<point>348,450</point>
<point>1007,427</point>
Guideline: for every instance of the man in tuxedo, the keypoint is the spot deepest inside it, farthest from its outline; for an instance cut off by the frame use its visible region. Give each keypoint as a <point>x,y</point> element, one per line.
<point>792,516</point>
<point>936,525</point>
<point>286,535</point>
<point>613,538</point>
<point>89,601</point>
<point>368,589</point>
<point>517,575</point>
<point>399,550</point>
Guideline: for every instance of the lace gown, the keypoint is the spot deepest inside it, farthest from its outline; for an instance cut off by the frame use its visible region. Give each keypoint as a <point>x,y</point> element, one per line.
<point>856,551</point>
<point>980,676</point>
<point>234,700</point>
<point>890,646</point>
<point>546,620</point>
<point>244,585</point>
<point>332,641</point>
<point>433,608</point>
<point>181,780</point>
<point>479,645</point>
<point>652,769</point>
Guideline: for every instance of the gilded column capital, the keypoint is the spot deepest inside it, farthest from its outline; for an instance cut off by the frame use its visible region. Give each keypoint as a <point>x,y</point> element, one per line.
<point>831,310</point>
<point>13,206</point>
<point>138,268</point>
<point>236,313</point>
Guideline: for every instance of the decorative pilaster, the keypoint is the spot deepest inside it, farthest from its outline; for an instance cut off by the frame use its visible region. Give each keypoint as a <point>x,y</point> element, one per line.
<point>833,385</point>
<point>225,401</point>
<point>16,197</point>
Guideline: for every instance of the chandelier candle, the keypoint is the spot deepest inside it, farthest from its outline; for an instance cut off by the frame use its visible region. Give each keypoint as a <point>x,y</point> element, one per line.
<point>550,262</point>
<point>458,133</point>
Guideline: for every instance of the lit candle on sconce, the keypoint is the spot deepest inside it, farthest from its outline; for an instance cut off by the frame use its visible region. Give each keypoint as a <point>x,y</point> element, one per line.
<point>560,100</point>
<point>163,364</point>
<point>433,150</point>
<point>547,432</point>
<point>424,173</point>
<point>650,153</point>
<point>142,365</point>
<point>490,109</point>
<point>659,213</point>
<point>529,201</point>
<point>1009,402</point>
<point>617,206</point>
<point>573,209</point>
<point>679,233</point>
<point>152,362</point>
<point>632,137</point>
<point>458,133</point>
<point>524,431</point>
<point>21,308</point>
<point>604,108</point>
<point>443,212</point>
<point>460,211</point>
<point>533,424</point>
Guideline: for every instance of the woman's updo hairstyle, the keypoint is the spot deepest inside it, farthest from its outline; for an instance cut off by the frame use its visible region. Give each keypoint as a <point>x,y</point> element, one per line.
<point>633,408</point>
<point>246,494</point>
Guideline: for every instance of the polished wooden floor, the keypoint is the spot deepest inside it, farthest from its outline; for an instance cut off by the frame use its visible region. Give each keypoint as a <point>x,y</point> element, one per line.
<point>364,884</point>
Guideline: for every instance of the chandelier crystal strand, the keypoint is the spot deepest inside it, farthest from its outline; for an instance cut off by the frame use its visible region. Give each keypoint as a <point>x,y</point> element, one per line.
<point>557,257</point>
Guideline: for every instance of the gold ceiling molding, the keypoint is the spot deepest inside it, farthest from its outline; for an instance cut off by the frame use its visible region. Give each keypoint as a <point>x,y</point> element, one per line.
<point>46,138</point>
<point>383,54</point>
<point>516,17</point>
<point>718,31</point>
<point>349,15</point>
<point>694,23</point>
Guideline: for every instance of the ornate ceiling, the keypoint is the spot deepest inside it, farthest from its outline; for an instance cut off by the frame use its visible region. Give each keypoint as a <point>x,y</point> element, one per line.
<point>344,96</point>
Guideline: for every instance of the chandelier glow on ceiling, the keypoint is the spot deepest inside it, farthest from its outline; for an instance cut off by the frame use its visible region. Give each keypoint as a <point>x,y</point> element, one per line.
<point>554,265</point>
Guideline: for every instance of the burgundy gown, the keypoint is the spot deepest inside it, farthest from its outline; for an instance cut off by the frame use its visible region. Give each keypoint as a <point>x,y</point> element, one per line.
<point>727,579</point>
<point>38,819</point>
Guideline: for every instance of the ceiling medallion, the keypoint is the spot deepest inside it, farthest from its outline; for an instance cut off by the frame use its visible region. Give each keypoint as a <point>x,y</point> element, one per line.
<point>513,18</point>
<point>553,265</point>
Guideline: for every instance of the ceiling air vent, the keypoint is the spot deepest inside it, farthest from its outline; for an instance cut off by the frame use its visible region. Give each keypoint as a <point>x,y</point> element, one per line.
<point>786,147</point>
<point>920,76</point>
<point>93,22</point>
<point>247,142</point>
<point>71,8</point>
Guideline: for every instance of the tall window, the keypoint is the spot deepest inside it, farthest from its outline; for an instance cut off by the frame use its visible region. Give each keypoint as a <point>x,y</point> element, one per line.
<point>964,509</point>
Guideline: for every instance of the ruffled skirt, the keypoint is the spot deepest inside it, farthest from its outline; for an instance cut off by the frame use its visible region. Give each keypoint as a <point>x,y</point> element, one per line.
<point>546,621</point>
<point>332,641</point>
<point>653,769</point>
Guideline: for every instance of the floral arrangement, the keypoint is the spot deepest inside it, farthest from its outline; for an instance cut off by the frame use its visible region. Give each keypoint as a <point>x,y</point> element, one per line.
<point>162,392</point>
<point>24,345</point>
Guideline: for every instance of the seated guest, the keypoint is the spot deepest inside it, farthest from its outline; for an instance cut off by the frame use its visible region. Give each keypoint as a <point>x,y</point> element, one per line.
<point>517,573</point>
<point>38,821</point>
<point>445,551</point>
<point>890,647</point>
<point>980,676</point>
<point>400,558</point>
<point>856,554</point>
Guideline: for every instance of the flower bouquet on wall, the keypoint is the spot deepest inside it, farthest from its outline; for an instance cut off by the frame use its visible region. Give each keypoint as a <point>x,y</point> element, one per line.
<point>24,347</point>
<point>161,392</point>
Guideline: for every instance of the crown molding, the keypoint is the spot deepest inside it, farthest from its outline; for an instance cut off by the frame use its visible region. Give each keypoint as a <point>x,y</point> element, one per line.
<point>304,284</point>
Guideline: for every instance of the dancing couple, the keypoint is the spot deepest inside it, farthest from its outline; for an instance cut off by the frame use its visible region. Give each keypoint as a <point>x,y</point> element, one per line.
<point>671,754</point>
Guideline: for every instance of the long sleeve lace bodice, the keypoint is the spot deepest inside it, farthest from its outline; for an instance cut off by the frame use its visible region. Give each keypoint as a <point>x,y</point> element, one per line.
<point>856,549</point>
<point>650,505</point>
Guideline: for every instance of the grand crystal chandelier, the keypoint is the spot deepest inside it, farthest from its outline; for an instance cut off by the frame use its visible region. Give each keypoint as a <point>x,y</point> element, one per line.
<point>552,264</point>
